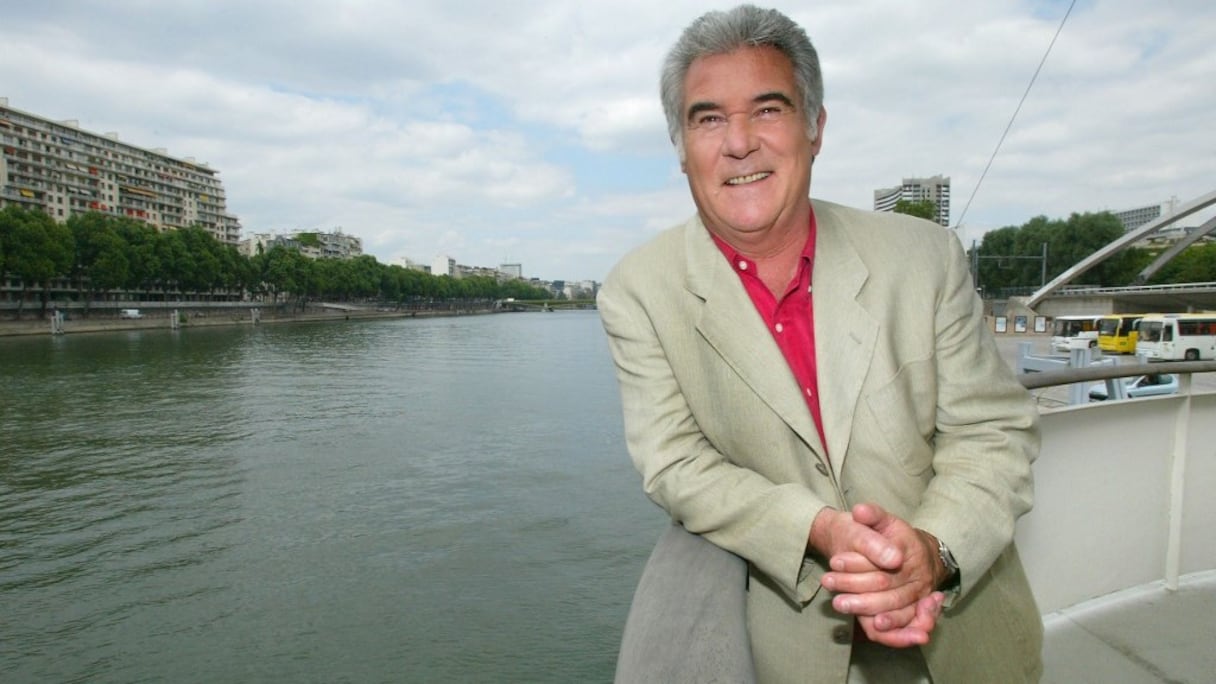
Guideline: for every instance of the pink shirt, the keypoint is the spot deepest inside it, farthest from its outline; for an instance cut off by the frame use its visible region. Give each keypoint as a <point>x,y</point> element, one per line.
<point>790,319</point>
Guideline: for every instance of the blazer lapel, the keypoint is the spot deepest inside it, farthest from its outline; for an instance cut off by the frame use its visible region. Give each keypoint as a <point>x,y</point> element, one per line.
<point>845,332</point>
<point>730,324</point>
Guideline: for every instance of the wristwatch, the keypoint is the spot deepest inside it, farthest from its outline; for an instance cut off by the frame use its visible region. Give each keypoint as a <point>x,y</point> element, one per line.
<point>952,578</point>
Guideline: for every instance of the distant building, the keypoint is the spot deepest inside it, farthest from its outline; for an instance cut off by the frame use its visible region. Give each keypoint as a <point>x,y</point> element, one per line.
<point>336,245</point>
<point>584,289</point>
<point>311,244</point>
<point>935,189</point>
<point>513,271</point>
<point>1134,218</point>
<point>411,265</point>
<point>443,265</point>
<point>62,170</point>
<point>463,271</point>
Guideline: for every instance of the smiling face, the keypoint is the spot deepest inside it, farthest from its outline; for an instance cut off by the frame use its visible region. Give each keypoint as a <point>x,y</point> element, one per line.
<point>747,153</point>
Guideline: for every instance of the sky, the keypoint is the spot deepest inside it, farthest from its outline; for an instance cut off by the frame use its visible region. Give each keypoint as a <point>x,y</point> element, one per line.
<point>531,132</point>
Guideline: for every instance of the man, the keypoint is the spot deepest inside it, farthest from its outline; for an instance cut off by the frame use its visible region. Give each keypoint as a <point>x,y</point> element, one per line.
<point>814,389</point>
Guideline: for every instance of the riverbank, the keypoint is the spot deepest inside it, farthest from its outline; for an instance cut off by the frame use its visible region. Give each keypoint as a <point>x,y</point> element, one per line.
<point>74,324</point>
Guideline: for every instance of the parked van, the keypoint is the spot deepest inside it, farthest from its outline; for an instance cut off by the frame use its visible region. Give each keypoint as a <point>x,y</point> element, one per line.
<point>130,313</point>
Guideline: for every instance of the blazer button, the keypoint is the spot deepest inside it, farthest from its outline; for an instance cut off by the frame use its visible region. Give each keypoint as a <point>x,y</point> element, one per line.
<point>842,634</point>
<point>823,470</point>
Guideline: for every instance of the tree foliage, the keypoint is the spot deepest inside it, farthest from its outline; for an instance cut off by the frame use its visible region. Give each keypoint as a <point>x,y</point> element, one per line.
<point>36,249</point>
<point>1196,264</point>
<point>926,209</point>
<point>102,253</point>
<point>1009,257</point>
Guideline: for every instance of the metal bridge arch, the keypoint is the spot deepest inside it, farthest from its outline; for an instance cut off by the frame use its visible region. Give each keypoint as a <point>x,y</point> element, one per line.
<point>1130,237</point>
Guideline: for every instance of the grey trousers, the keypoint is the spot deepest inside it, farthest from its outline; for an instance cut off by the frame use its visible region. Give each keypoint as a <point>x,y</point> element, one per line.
<point>874,664</point>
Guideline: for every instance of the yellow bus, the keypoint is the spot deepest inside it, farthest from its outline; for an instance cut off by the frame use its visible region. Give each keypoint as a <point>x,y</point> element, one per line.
<point>1117,333</point>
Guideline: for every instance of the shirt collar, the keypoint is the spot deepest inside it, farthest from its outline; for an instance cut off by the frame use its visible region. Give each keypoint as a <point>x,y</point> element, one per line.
<point>741,263</point>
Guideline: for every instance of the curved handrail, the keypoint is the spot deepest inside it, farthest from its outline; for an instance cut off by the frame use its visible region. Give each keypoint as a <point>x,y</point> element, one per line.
<point>1068,376</point>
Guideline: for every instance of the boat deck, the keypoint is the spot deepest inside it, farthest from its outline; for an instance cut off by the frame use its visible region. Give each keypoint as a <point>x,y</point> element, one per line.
<point>1143,634</point>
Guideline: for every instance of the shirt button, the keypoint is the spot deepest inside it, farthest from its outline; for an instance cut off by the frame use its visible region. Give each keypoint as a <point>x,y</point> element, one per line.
<point>742,265</point>
<point>780,327</point>
<point>842,634</point>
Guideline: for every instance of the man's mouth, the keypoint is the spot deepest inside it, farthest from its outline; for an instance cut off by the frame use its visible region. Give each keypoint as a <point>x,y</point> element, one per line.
<point>751,178</point>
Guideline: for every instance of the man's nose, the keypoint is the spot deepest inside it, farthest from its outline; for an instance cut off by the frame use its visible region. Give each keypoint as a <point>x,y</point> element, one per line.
<point>739,139</point>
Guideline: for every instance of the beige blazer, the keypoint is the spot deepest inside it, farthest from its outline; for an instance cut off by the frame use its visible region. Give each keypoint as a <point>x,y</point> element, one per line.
<point>920,413</point>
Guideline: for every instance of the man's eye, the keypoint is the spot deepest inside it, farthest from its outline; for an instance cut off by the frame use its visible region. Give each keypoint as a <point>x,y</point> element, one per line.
<point>709,120</point>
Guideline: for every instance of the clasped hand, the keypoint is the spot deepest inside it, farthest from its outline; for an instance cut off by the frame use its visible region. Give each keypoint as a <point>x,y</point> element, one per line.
<point>883,570</point>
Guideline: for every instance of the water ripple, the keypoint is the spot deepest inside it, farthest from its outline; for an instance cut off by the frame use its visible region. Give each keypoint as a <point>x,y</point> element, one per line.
<point>317,503</point>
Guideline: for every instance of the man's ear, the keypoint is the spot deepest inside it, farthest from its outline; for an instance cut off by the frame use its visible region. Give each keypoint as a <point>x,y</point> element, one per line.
<point>821,121</point>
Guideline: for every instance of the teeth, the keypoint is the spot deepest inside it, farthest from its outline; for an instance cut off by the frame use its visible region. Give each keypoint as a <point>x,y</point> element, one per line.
<point>742,180</point>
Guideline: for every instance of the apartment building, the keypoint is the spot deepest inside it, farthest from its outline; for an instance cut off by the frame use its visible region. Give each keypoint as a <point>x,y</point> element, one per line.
<point>935,189</point>
<point>1138,216</point>
<point>63,170</point>
<point>337,245</point>
<point>312,244</point>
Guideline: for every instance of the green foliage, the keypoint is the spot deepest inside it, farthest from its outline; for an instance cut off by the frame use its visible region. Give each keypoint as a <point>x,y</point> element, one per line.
<point>101,252</point>
<point>1196,264</point>
<point>106,253</point>
<point>308,239</point>
<point>926,209</point>
<point>1068,242</point>
<point>36,248</point>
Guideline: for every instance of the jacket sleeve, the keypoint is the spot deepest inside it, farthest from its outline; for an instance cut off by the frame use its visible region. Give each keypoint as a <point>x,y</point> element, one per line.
<point>986,433</point>
<point>734,507</point>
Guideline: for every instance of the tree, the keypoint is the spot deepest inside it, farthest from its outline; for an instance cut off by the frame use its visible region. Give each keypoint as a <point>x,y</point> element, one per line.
<point>143,260</point>
<point>37,250</point>
<point>1008,254</point>
<point>101,254</point>
<point>926,209</point>
<point>1196,264</point>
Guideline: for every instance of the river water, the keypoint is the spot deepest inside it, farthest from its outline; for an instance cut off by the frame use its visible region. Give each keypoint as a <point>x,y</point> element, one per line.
<point>407,500</point>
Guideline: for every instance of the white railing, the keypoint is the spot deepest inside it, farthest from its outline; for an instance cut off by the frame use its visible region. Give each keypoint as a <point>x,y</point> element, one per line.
<point>1124,495</point>
<point>1125,492</point>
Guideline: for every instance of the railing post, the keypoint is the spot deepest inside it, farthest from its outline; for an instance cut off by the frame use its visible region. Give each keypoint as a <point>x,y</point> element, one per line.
<point>1177,492</point>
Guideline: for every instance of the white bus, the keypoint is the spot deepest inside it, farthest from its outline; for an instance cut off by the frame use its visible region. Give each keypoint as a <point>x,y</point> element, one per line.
<point>1177,337</point>
<point>1067,331</point>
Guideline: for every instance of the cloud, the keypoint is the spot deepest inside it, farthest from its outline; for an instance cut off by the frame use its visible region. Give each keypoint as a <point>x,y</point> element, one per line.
<point>532,131</point>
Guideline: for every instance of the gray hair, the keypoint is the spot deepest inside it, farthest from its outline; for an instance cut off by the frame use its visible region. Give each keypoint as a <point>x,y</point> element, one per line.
<point>717,32</point>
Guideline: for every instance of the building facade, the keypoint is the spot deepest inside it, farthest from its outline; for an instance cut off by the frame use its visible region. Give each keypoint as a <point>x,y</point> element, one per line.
<point>336,245</point>
<point>443,265</point>
<point>311,244</point>
<point>1134,218</point>
<point>935,189</point>
<point>62,170</point>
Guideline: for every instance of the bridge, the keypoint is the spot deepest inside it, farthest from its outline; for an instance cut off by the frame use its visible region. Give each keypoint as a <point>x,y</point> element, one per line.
<point>1180,297</point>
<point>1177,297</point>
<point>544,304</point>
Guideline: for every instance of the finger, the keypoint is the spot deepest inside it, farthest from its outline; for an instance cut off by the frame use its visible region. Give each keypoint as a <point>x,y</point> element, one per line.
<point>879,550</point>
<point>875,602</point>
<point>927,611</point>
<point>898,619</point>
<point>858,582</point>
<point>851,561</point>
<point>895,638</point>
<point>869,514</point>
